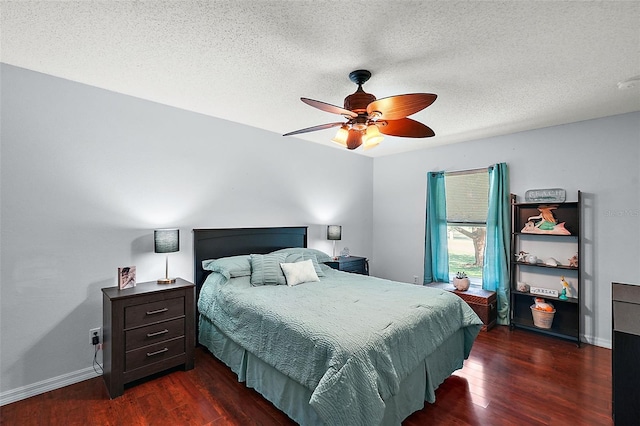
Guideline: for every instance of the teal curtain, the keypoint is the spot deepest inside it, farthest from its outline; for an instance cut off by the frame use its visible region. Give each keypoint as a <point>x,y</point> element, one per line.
<point>436,254</point>
<point>495,271</point>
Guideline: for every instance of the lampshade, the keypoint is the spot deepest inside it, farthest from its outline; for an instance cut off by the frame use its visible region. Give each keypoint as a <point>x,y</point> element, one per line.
<point>341,136</point>
<point>352,138</point>
<point>372,137</point>
<point>334,232</point>
<point>166,240</point>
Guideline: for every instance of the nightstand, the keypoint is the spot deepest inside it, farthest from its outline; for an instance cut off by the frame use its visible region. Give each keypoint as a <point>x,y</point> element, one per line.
<point>146,329</point>
<point>355,264</point>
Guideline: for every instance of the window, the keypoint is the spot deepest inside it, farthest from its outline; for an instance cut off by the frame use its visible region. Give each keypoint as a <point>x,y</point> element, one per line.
<point>467,201</point>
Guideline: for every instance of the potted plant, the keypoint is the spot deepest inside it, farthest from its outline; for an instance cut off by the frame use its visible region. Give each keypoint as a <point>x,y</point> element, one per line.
<point>461,281</point>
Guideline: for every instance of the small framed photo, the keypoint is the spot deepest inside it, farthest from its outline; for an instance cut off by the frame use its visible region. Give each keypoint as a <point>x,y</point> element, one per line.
<point>126,277</point>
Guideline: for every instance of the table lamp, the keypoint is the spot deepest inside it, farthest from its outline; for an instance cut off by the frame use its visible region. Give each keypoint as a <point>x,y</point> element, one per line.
<point>334,233</point>
<point>166,241</point>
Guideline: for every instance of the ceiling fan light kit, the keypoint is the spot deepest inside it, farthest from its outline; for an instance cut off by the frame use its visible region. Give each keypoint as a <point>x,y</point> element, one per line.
<point>372,137</point>
<point>341,136</point>
<point>369,118</point>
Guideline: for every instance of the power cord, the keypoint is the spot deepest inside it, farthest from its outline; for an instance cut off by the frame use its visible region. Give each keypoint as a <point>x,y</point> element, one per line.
<point>95,358</point>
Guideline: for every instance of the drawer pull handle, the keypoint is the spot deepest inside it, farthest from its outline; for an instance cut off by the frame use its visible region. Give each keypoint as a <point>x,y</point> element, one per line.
<point>159,311</point>
<point>157,333</point>
<point>157,352</point>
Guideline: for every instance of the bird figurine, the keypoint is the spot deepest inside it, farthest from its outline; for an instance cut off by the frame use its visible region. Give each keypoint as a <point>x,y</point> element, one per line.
<point>566,288</point>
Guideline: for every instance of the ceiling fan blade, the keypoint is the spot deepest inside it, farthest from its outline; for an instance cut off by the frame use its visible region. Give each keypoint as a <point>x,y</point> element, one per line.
<point>400,106</point>
<point>314,128</point>
<point>329,108</point>
<point>407,128</point>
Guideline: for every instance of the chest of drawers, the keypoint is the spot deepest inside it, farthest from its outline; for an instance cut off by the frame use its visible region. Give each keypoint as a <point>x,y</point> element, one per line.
<point>147,329</point>
<point>625,352</point>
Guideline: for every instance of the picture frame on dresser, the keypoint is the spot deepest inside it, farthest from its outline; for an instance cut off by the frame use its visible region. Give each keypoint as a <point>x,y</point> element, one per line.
<point>126,277</point>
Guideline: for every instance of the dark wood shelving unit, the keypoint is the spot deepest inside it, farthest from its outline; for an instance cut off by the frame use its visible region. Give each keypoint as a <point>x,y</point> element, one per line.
<point>566,320</point>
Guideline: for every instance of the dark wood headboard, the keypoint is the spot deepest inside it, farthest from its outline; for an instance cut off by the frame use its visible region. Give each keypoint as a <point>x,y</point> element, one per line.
<point>222,242</point>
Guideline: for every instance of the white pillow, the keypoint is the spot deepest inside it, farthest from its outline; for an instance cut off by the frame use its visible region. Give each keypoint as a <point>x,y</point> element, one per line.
<point>299,272</point>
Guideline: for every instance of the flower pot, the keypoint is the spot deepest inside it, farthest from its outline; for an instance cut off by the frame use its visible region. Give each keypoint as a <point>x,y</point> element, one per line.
<point>461,284</point>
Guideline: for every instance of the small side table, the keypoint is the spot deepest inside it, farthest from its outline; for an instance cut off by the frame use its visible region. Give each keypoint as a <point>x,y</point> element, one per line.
<point>146,329</point>
<point>355,264</point>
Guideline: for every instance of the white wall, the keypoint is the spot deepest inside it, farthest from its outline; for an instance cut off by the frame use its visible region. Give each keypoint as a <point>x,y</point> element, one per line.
<point>87,174</point>
<point>599,157</point>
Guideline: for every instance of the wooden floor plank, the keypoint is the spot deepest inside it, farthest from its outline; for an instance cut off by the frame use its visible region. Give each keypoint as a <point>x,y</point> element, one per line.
<point>511,377</point>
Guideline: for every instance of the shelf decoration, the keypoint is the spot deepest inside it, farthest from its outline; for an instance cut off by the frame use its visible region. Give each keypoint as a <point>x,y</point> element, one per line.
<point>543,291</point>
<point>566,289</point>
<point>543,313</point>
<point>461,281</point>
<point>542,305</point>
<point>563,294</point>
<point>545,222</point>
<point>573,262</point>
<point>553,195</point>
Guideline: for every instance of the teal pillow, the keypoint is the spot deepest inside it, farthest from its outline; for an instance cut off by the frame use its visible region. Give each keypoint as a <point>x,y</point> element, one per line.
<point>230,267</point>
<point>299,257</point>
<point>266,270</point>
<point>320,255</point>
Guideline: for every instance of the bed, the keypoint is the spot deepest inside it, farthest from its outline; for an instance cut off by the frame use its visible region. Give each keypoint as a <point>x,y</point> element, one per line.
<point>335,349</point>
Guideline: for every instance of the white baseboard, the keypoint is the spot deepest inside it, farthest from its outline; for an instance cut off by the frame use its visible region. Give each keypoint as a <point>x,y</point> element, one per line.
<point>47,385</point>
<point>604,343</point>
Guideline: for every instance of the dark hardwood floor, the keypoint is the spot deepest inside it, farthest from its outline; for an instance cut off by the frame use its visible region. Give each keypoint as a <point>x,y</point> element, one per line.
<point>511,378</point>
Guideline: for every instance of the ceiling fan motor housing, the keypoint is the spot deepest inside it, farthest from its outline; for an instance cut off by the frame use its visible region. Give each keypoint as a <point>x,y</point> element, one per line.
<point>358,101</point>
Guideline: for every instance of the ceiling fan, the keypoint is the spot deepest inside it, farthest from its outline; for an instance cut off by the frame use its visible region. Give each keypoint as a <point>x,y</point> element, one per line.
<point>368,118</point>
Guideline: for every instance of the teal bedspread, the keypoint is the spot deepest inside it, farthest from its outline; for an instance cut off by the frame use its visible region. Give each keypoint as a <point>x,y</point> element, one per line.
<point>350,339</point>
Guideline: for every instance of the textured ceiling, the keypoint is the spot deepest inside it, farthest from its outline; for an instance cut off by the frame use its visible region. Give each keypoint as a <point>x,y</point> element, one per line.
<point>497,67</point>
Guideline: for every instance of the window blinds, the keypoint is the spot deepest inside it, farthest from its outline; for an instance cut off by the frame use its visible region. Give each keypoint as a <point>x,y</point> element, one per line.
<point>467,197</point>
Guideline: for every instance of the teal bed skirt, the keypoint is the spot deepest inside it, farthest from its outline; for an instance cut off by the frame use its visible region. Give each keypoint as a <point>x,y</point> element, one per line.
<point>293,398</point>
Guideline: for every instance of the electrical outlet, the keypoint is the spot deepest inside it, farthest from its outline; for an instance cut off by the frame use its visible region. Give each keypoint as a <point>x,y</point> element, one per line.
<point>415,279</point>
<point>95,332</point>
